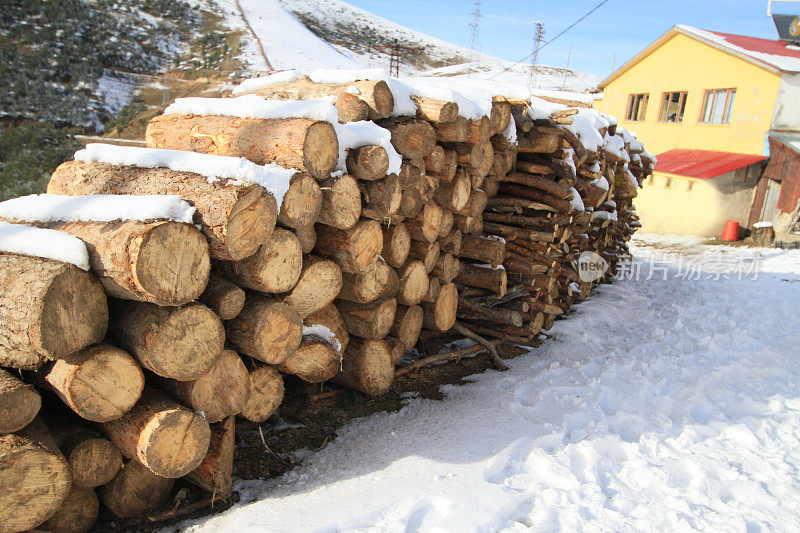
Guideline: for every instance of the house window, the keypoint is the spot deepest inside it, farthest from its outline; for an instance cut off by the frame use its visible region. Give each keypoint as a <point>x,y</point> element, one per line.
<point>652,179</point>
<point>637,105</point>
<point>718,106</point>
<point>667,183</point>
<point>672,107</point>
<point>690,186</point>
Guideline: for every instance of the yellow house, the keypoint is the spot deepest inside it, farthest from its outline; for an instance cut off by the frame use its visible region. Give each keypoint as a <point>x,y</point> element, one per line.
<point>705,103</point>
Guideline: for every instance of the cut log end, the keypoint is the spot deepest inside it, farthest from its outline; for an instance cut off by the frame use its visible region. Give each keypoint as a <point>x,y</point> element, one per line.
<point>135,491</point>
<point>320,150</point>
<point>94,461</point>
<point>266,394</point>
<point>19,403</point>
<point>77,513</point>
<point>250,223</point>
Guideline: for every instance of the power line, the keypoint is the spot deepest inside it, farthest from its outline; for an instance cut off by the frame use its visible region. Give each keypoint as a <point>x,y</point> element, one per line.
<point>595,8</point>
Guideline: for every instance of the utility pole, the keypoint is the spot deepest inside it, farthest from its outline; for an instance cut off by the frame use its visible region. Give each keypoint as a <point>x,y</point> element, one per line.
<point>394,51</point>
<point>474,27</point>
<point>538,38</point>
<point>566,70</point>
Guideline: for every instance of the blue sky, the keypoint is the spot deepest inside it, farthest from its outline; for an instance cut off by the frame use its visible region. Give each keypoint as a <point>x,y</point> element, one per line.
<point>619,28</point>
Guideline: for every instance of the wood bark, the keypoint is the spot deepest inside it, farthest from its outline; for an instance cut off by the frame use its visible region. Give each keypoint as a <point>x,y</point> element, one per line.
<point>407,325</point>
<point>49,309</point>
<point>396,244</point>
<point>215,473</point>
<point>472,311</point>
<point>174,342</point>
<point>77,513</point>
<point>235,218</point>
<point>427,252</point>
<point>266,329</point>
<point>222,297</point>
<point>378,281</point>
<point>486,278</point>
<point>492,251</point>
<point>135,491</point>
<point>320,281</point>
<point>383,196</point>
<point>274,268</point>
<point>305,144</point>
<point>341,202</point>
<point>219,393</point>
<point>455,131</point>
<point>367,367</point>
<point>302,202</point>
<point>315,360</point>
<point>535,195</point>
<point>434,110</point>
<point>19,403</point>
<point>164,436</point>
<point>455,194</point>
<point>368,321</point>
<point>330,317</point>
<point>411,138</point>
<point>162,262</point>
<point>34,476</point>
<point>425,226</point>
<point>413,284</point>
<point>354,249</point>
<point>441,314</point>
<point>100,383</point>
<point>266,394</point>
<point>368,163</point>
<point>375,93</point>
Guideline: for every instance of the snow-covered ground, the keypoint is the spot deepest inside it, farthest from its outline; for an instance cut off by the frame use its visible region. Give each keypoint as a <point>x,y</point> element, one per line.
<point>667,404</point>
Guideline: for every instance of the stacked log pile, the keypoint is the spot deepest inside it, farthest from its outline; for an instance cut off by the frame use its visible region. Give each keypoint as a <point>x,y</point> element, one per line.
<point>329,269</point>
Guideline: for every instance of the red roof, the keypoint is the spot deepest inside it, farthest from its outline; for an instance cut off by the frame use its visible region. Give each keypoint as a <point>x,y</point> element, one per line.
<point>703,164</point>
<point>756,44</point>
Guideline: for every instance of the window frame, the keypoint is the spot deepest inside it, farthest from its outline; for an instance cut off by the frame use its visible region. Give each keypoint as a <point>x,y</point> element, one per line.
<point>710,95</point>
<point>641,109</point>
<point>666,99</point>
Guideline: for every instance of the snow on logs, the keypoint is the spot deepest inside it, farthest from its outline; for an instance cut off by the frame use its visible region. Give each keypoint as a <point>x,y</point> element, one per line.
<point>227,272</point>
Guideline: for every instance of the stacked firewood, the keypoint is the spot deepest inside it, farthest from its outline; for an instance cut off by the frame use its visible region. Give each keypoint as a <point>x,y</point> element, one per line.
<point>465,226</point>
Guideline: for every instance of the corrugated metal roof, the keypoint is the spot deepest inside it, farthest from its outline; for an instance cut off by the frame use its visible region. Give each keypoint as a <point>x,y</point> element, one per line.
<point>703,164</point>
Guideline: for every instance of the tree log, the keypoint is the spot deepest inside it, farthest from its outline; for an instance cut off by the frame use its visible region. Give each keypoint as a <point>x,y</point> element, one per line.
<point>215,473</point>
<point>412,138</point>
<point>235,218</point>
<point>475,204</point>
<point>435,110</point>
<point>425,226</point>
<point>305,144</point>
<point>368,163</point>
<point>135,491</point>
<point>77,514</point>
<point>479,130</point>
<point>34,476</point>
<point>407,325</point>
<point>368,321</point>
<point>341,202</point>
<point>266,329</point>
<point>164,436</point>
<point>354,249</point>
<point>266,394</point>
<point>315,360</point>
<point>350,108</point>
<point>453,242</point>
<point>456,131</point>
<point>307,237</point>
<point>473,311</point>
<point>367,367</point>
<point>219,393</point>
<point>383,196</point>
<point>330,317</point>
<point>427,252</point>
<point>544,184</point>
<point>435,161</point>
<point>413,283</point>
<point>174,342</point>
<point>222,297</point>
<point>535,195</point>
<point>411,203</point>
<point>302,203</point>
<point>441,314</point>
<point>396,244</point>
<point>274,268</point>
<point>446,268</point>
<point>486,278</point>
<point>492,251</point>
<point>162,262</point>
<point>320,282</point>
<point>500,116</point>
<point>49,309</point>
<point>100,383</point>
<point>377,281</point>
<point>92,459</point>
<point>396,349</point>
<point>19,403</point>
<point>455,194</point>
<point>434,286</point>
<point>375,93</point>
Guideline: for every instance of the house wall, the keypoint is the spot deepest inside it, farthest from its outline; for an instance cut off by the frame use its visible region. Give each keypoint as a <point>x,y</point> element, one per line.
<point>702,211</point>
<point>787,111</point>
<point>685,64</point>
